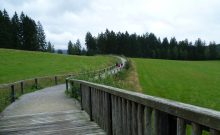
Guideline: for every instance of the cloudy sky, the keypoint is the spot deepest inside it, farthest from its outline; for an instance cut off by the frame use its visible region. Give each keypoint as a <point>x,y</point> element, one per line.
<point>65,20</point>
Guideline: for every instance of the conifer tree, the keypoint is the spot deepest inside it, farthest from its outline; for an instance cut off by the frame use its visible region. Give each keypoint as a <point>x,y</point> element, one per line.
<point>41,38</point>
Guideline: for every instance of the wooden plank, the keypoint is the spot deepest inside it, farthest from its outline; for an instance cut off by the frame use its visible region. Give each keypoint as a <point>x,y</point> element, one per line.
<point>129,117</point>
<point>80,91</point>
<point>156,123</point>
<point>113,115</point>
<point>119,113</point>
<point>172,124</point>
<point>124,117</point>
<point>196,129</point>
<point>75,122</point>
<point>134,118</point>
<point>140,119</point>
<point>90,104</point>
<point>161,123</point>
<point>109,114</point>
<point>181,126</point>
<point>148,128</point>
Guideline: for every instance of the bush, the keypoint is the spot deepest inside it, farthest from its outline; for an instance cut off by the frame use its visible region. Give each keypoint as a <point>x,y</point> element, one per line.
<point>127,64</point>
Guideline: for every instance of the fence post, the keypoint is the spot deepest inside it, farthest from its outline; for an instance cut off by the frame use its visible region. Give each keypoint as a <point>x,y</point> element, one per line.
<point>22,87</point>
<point>148,128</point>
<point>71,84</point>
<point>36,83</point>
<point>181,127</point>
<point>90,104</point>
<point>109,117</point>
<point>55,80</point>
<point>80,90</point>
<point>67,85</point>
<point>12,93</point>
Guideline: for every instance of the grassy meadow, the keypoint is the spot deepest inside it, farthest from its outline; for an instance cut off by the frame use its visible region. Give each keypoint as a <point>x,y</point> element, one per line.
<point>17,65</point>
<point>193,82</point>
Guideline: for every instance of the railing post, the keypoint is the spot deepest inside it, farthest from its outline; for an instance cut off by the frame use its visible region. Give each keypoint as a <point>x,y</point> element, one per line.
<point>22,88</point>
<point>90,104</point>
<point>80,90</point>
<point>12,93</point>
<point>196,129</point>
<point>181,127</point>
<point>109,119</point>
<point>55,78</point>
<point>67,85</point>
<point>72,92</point>
<point>134,118</point>
<point>129,117</point>
<point>36,83</point>
<point>124,116</point>
<point>140,119</point>
<point>164,124</point>
<point>148,128</point>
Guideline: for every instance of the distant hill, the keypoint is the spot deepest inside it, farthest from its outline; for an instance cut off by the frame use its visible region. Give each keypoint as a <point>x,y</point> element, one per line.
<point>64,51</point>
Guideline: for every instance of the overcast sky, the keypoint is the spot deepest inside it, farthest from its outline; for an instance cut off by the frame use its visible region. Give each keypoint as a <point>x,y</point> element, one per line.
<point>65,20</point>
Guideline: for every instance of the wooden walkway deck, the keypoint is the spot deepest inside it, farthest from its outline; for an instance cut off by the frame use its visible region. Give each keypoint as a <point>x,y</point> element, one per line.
<point>49,112</point>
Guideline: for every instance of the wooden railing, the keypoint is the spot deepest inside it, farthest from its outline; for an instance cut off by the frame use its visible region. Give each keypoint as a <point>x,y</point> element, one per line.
<point>9,92</point>
<point>122,112</point>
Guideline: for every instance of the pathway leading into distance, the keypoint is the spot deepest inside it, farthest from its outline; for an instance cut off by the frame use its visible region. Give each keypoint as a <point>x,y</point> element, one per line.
<point>47,112</point>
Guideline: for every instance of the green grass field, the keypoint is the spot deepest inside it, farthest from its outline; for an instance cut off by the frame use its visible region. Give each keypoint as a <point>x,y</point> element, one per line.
<point>17,65</point>
<point>193,82</point>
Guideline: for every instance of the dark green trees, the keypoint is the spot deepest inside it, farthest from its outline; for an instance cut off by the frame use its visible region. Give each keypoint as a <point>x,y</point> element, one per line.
<point>5,30</point>
<point>41,38</point>
<point>149,46</point>
<point>50,48</point>
<point>70,48</point>
<point>91,44</point>
<point>21,33</point>
<point>16,30</point>
<point>74,49</point>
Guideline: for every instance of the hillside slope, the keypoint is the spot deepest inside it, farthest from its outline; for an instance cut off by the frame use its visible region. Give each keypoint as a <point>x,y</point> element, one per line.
<point>17,65</point>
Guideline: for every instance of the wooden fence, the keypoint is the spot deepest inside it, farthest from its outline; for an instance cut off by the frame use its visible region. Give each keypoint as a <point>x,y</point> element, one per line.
<point>122,112</point>
<point>11,91</point>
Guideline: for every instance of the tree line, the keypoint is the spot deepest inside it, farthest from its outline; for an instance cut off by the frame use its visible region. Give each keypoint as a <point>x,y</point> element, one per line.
<point>150,46</point>
<point>75,48</point>
<point>22,32</point>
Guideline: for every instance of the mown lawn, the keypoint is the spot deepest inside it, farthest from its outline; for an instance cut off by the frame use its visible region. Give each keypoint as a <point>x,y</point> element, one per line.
<point>17,65</point>
<point>193,82</point>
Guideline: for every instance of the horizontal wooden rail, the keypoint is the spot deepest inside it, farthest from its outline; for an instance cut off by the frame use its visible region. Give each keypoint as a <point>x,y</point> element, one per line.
<point>123,112</point>
<point>55,77</point>
<point>21,87</point>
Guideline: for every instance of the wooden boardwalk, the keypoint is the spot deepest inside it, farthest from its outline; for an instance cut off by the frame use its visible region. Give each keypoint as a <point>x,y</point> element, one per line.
<point>48,112</point>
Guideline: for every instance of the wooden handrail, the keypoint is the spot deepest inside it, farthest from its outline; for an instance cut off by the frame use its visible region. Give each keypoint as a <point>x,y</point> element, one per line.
<point>170,117</point>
